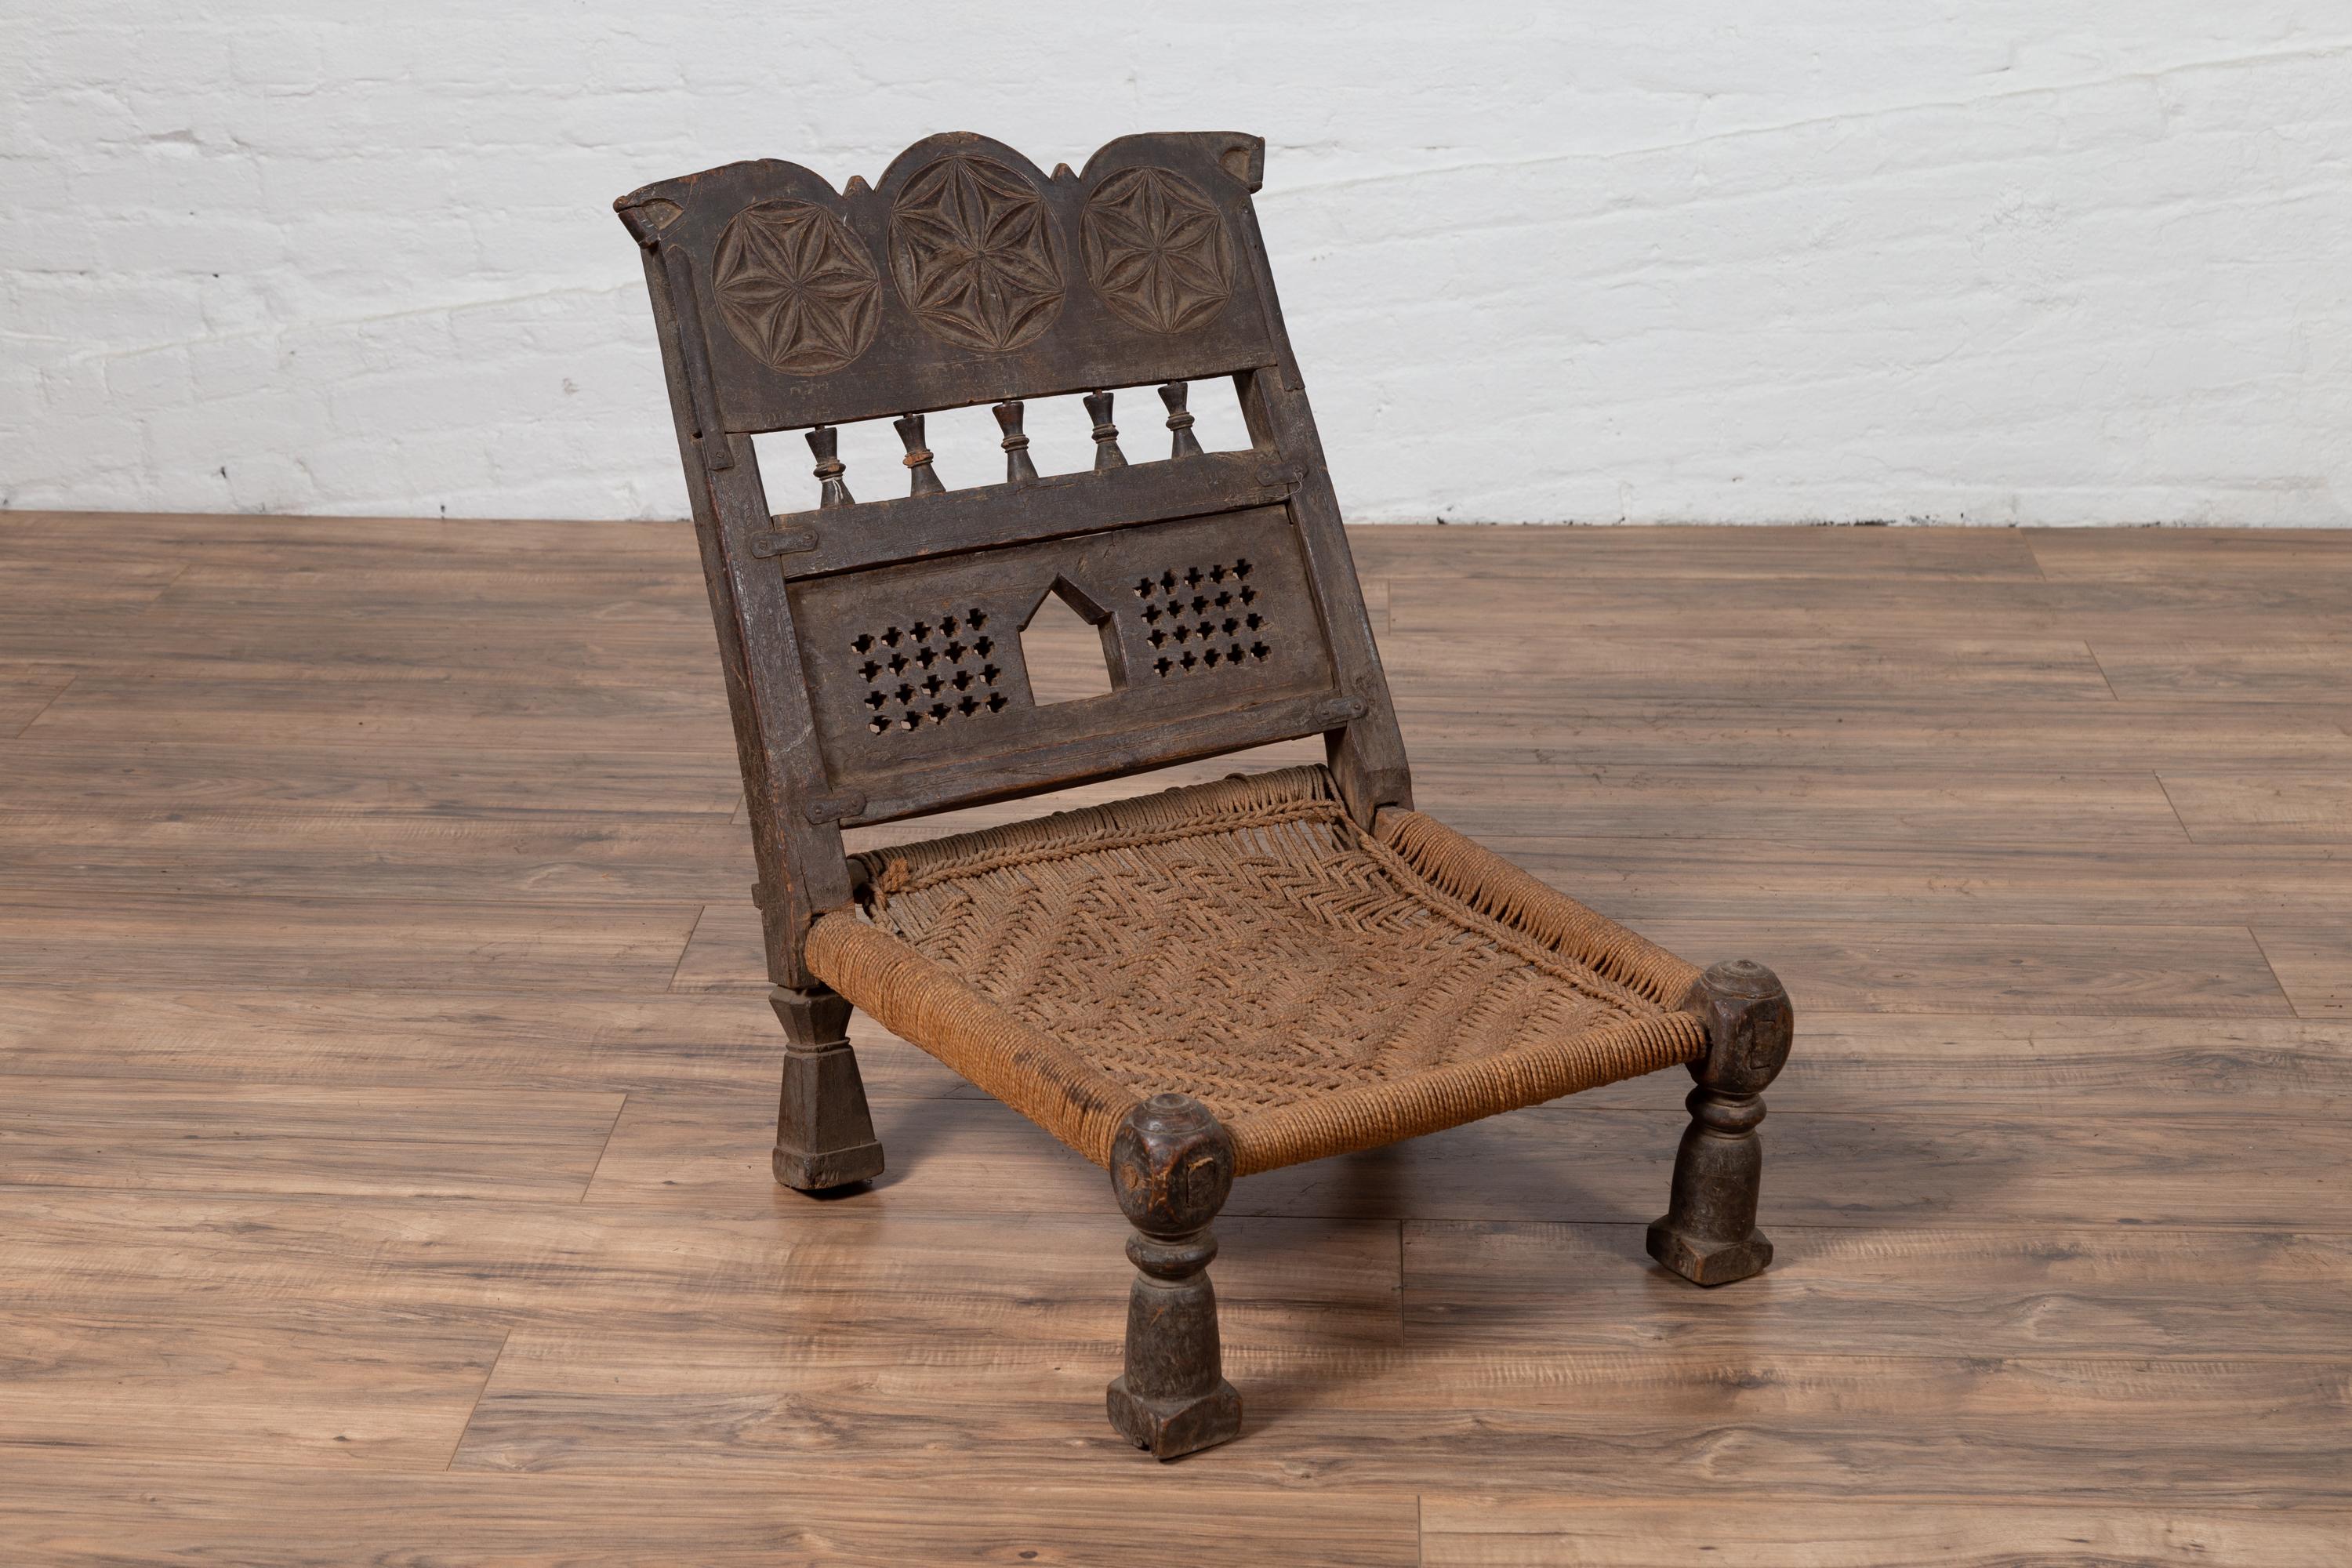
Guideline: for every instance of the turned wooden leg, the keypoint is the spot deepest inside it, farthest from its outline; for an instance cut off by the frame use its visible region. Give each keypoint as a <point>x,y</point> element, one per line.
<point>1171,1166</point>
<point>1708,1234</point>
<point>824,1136</point>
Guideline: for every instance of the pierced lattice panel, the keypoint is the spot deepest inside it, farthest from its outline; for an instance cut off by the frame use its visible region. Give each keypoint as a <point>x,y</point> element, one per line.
<point>929,672</point>
<point>954,687</point>
<point>1206,618</point>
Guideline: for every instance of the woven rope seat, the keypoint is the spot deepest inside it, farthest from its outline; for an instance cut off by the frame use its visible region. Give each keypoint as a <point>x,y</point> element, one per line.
<point>1321,988</point>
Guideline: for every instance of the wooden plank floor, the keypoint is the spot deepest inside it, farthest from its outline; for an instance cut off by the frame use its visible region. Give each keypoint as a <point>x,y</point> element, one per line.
<point>387,1086</point>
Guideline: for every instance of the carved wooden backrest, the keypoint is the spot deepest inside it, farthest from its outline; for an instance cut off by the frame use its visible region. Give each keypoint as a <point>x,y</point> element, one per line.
<point>872,649</point>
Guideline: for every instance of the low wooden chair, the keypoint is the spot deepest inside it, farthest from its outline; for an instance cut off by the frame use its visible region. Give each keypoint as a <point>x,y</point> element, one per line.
<point>1184,987</point>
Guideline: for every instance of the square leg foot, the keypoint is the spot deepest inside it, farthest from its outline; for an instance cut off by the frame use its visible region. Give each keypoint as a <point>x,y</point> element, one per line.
<point>1709,1262</point>
<point>1171,1427</point>
<point>808,1171</point>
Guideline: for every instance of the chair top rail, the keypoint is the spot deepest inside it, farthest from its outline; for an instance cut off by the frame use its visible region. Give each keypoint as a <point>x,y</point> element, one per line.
<point>965,275</point>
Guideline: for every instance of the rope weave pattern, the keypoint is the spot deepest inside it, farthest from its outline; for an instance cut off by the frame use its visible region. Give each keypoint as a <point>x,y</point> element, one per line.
<point>1320,988</point>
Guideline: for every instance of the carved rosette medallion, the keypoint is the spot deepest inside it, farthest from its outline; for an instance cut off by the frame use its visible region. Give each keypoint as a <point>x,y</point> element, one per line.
<point>796,287</point>
<point>972,252</point>
<point>1156,249</point>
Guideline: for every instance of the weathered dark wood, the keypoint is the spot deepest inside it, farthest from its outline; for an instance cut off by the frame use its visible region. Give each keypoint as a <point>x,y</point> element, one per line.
<point>1029,509</point>
<point>824,441</point>
<point>887,314</point>
<point>1182,443</point>
<point>920,691</point>
<point>825,1137</point>
<point>916,792</point>
<point>800,864</point>
<point>1017,466</point>
<point>1708,1233</point>
<point>1171,1166</point>
<point>1106,453</point>
<point>1368,755</point>
<point>966,274</point>
<point>922,480</point>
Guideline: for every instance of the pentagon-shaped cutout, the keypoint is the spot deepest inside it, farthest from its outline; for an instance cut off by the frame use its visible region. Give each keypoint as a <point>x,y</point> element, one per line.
<point>1069,646</point>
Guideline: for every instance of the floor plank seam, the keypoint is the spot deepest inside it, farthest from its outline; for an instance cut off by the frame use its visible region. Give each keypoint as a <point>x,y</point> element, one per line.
<point>471,1410</point>
<point>2174,806</point>
<point>2104,678</point>
<point>2040,572</point>
<point>155,601</point>
<point>685,948</point>
<point>604,1148</point>
<point>2267,963</point>
<point>45,707</point>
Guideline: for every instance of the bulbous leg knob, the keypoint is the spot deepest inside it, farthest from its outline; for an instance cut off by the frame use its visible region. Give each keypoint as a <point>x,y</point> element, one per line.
<point>1171,1166</point>
<point>1708,1233</point>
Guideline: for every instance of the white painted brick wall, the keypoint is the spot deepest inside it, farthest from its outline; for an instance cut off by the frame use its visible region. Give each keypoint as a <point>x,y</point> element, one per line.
<point>1959,260</point>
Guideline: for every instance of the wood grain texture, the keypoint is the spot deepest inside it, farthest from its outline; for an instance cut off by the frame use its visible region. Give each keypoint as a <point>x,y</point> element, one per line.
<point>602,1267</point>
<point>27,690</point>
<point>1933,738</point>
<point>1866,1063</point>
<point>2192,971</point>
<point>2313,964</point>
<point>274,1138</point>
<point>1472,1531</point>
<point>109,774</point>
<point>1755,608</point>
<point>1573,1161</point>
<point>159,939</point>
<point>1961,884</point>
<point>1876,557</point>
<point>1864,672</point>
<point>2229,672</point>
<point>410,857</point>
<point>2278,807</point>
<point>263,544</point>
<point>1519,791</point>
<point>287,706</point>
<point>2162,555</point>
<point>273,637</point>
<point>425,1037</point>
<point>2128,1292</point>
<point>89,1513</point>
<point>559,587</point>
<point>1796,1424</point>
<point>386,1084</point>
<point>348,1387</point>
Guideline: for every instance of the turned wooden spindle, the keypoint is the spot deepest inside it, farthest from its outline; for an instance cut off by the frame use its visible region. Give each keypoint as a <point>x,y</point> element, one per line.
<point>924,481</point>
<point>1708,1233</point>
<point>1017,466</point>
<point>1171,1165</point>
<point>1106,452</point>
<point>1182,443</point>
<point>825,442</point>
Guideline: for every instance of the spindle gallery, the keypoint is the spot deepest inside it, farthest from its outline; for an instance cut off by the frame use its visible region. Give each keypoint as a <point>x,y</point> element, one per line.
<point>1127,977</point>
